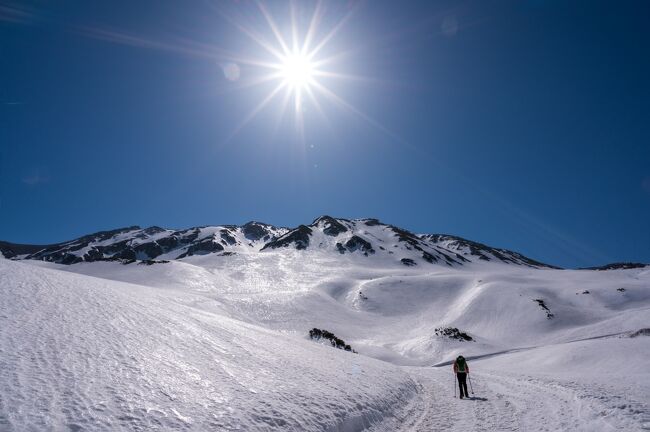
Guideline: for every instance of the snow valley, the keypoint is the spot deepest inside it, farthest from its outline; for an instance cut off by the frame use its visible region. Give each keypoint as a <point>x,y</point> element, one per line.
<point>236,328</point>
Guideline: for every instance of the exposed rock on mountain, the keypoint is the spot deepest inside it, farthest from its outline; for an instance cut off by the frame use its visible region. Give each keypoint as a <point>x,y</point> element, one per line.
<point>453,333</point>
<point>11,250</point>
<point>617,266</point>
<point>371,222</point>
<point>357,243</point>
<point>463,247</point>
<point>298,237</point>
<point>202,248</point>
<point>318,334</point>
<point>257,231</point>
<point>542,304</point>
<point>330,226</point>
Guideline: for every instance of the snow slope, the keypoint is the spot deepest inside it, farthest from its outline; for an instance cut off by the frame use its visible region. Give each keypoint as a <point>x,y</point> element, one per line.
<point>551,348</point>
<point>82,353</point>
<point>399,308</point>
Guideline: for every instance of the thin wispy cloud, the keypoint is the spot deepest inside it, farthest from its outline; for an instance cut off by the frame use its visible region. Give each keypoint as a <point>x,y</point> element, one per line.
<point>184,47</point>
<point>36,178</point>
<point>16,13</point>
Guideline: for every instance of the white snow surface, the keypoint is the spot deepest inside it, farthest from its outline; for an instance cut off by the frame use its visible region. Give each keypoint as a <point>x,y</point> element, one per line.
<point>83,353</point>
<point>217,342</point>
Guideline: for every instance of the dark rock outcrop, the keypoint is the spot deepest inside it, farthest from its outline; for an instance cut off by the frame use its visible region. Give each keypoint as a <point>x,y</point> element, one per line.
<point>227,237</point>
<point>93,255</point>
<point>153,230</point>
<point>542,304</point>
<point>11,250</point>
<point>357,243</point>
<point>169,243</point>
<point>453,333</point>
<point>152,262</point>
<point>298,237</point>
<point>406,236</point>
<point>148,250</point>
<point>256,231</point>
<point>618,266</point>
<point>318,334</point>
<point>203,247</point>
<point>640,332</point>
<point>428,257</point>
<point>331,226</point>
<point>481,251</point>
<point>126,254</point>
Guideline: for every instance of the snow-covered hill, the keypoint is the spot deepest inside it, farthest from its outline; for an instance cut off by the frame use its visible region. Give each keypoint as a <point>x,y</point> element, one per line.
<point>82,353</point>
<point>207,339</point>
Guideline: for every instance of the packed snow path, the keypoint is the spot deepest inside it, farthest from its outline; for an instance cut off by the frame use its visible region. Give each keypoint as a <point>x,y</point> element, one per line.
<point>515,403</point>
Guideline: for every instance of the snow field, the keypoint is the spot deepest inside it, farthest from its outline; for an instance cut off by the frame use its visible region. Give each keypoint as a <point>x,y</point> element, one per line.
<point>224,337</point>
<point>82,353</point>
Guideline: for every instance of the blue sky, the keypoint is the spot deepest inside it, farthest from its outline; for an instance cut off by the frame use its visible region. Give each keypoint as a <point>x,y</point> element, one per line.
<point>520,124</point>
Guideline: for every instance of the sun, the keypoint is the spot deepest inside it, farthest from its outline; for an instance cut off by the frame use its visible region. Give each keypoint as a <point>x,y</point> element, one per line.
<point>297,71</point>
<point>295,59</point>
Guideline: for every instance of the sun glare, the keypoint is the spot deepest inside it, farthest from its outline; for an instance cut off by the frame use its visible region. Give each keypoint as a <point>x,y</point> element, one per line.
<point>295,62</point>
<point>297,71</point>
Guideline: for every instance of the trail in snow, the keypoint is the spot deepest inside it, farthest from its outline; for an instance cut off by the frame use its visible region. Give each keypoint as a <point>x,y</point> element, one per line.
<point>505,403</point>
<point>507,409</point>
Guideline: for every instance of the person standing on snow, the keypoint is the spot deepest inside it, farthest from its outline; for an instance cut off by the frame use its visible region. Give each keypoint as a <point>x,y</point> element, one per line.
<point>461,369</point>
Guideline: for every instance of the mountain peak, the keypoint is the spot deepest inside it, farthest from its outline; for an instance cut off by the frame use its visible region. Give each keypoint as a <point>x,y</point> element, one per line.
<point>331,226</point>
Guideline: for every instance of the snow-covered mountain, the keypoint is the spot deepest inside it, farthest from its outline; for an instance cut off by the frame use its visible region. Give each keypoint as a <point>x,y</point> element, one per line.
<point>368,237</point>
<point>135,243</point>
<point>215,333</point>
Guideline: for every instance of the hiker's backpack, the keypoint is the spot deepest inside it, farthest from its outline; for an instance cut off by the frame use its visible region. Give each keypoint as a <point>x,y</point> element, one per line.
<point>461,364</point>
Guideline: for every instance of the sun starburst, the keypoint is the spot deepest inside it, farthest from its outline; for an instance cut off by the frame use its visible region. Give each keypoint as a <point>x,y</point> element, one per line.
<point>298,60</point>
<point>293,62</point>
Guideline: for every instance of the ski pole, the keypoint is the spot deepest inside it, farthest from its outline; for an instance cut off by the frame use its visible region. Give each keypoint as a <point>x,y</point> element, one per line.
<point>470,383</point>
<point>454,381</point>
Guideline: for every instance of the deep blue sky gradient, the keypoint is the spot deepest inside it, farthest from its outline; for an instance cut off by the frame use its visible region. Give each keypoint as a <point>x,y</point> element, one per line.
<point>520,124</point>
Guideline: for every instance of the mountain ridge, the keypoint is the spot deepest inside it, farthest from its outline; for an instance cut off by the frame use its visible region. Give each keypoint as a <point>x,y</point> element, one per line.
<point>366,236</point>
